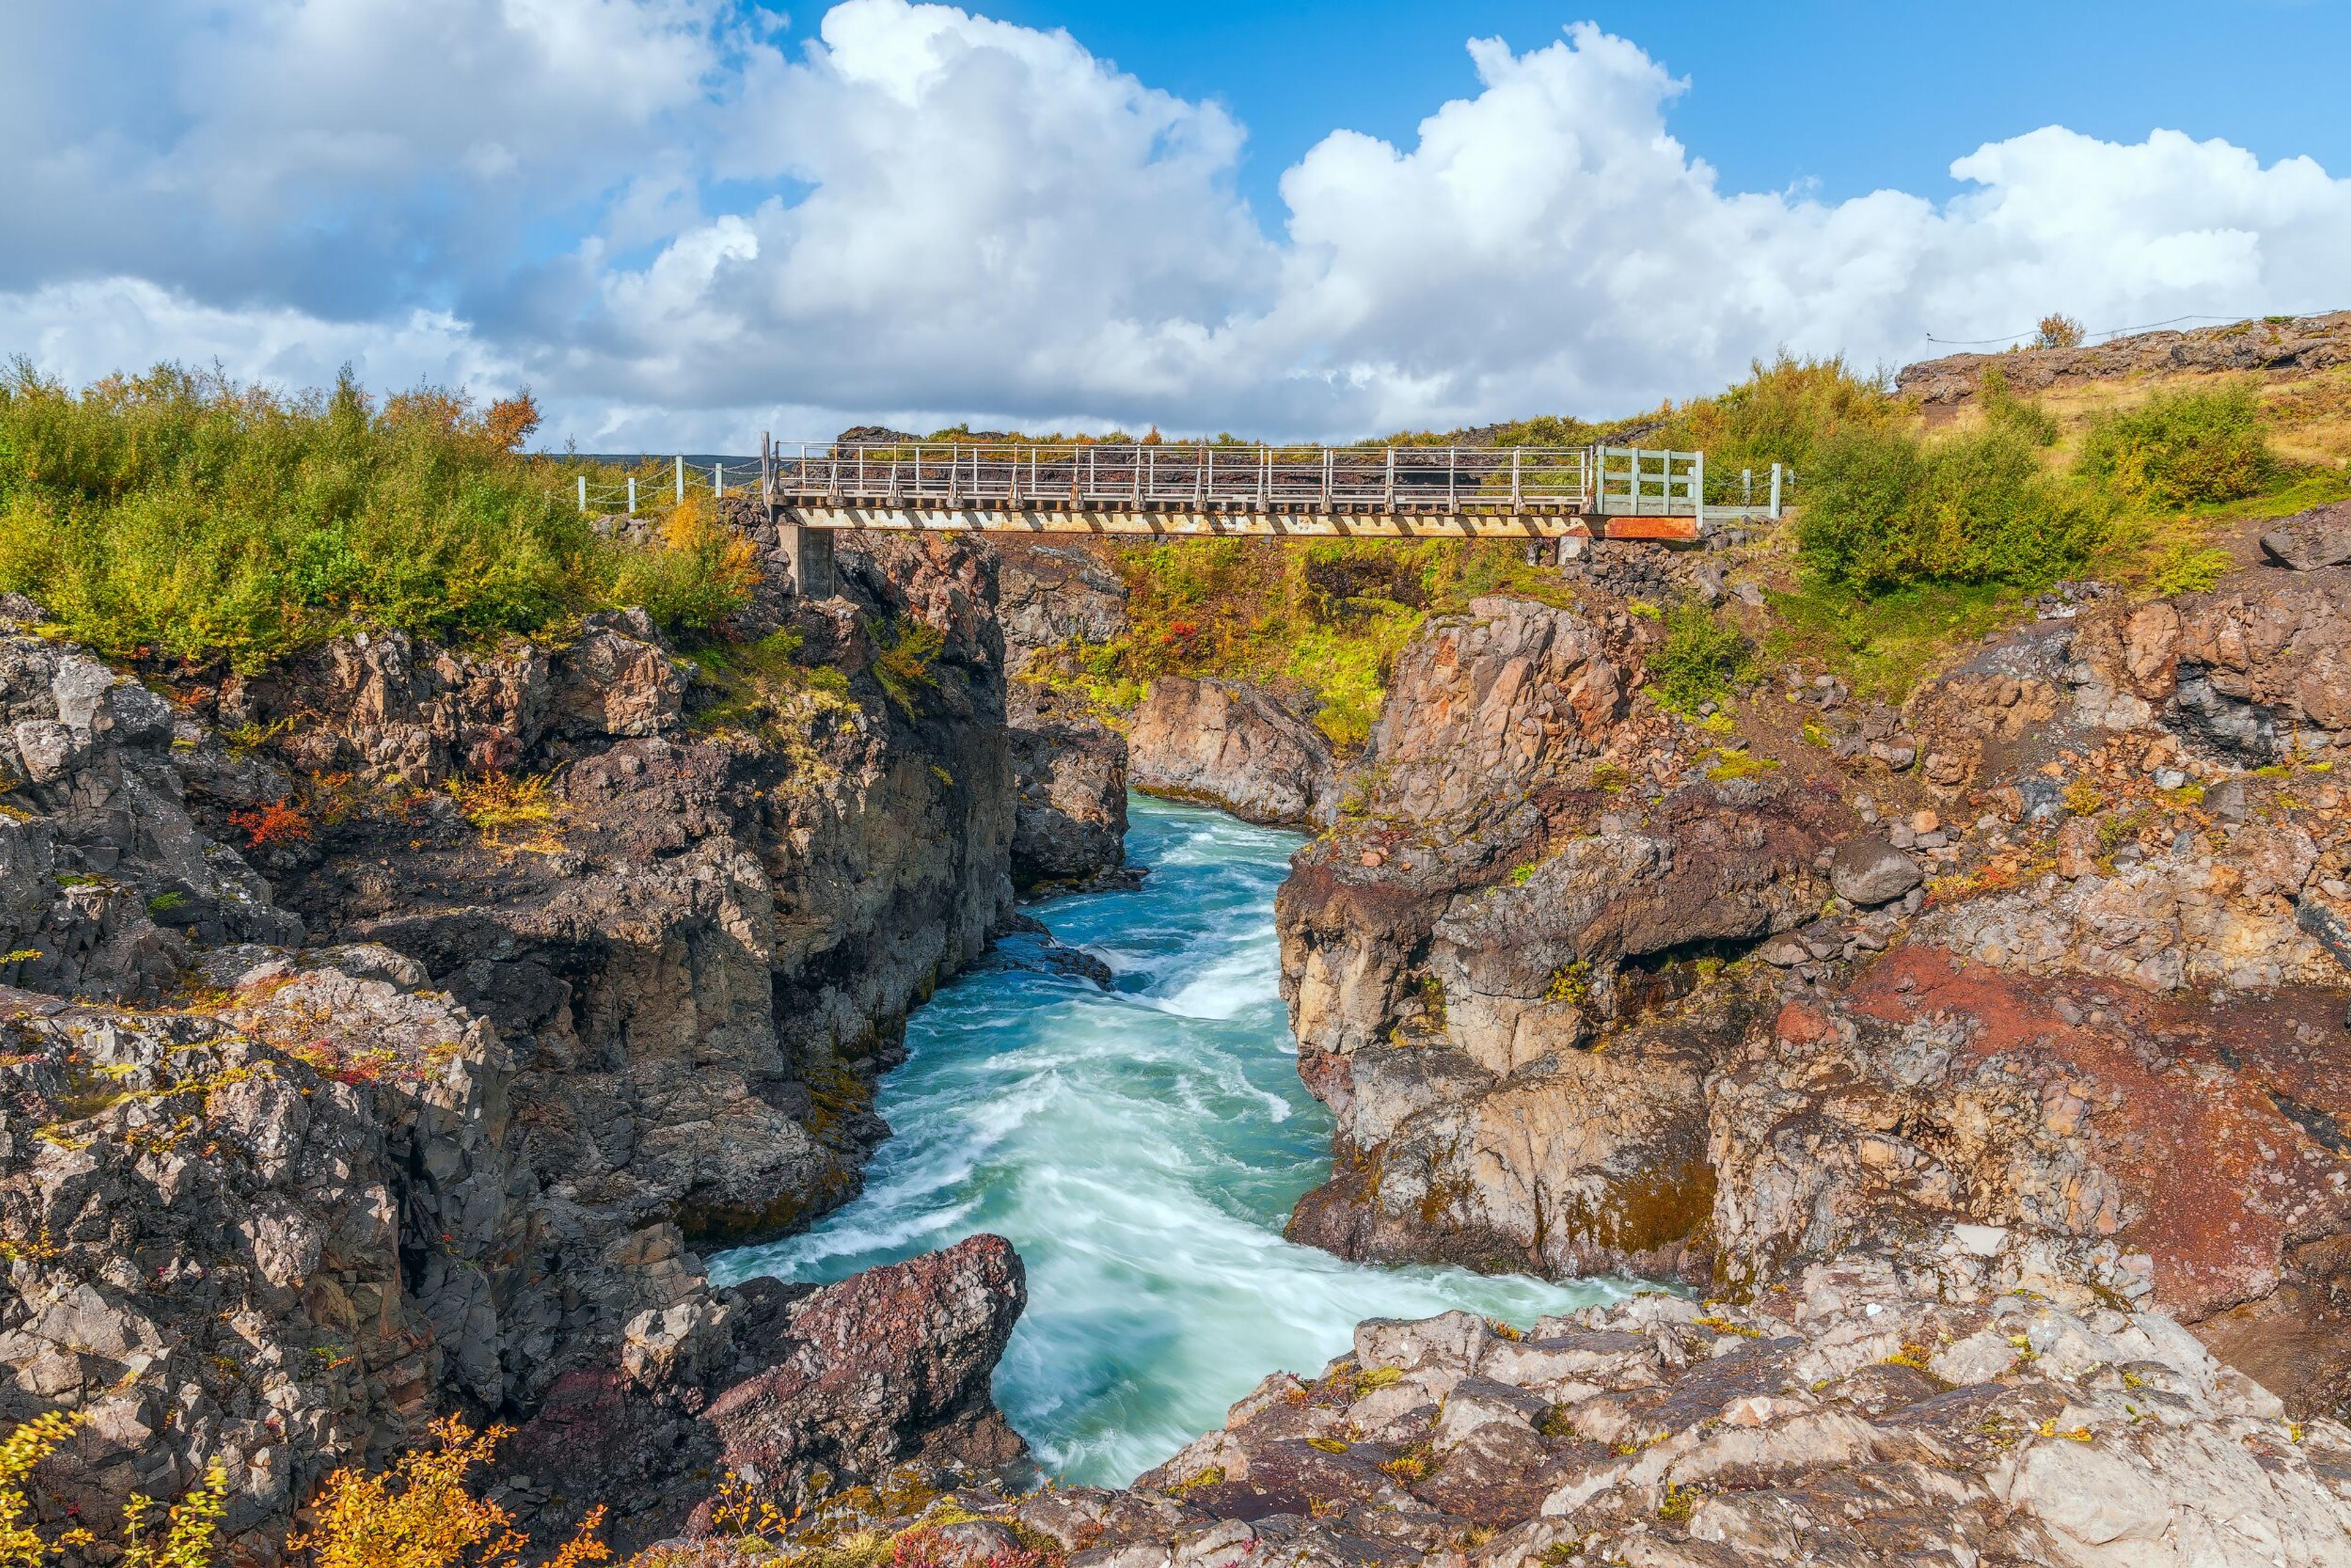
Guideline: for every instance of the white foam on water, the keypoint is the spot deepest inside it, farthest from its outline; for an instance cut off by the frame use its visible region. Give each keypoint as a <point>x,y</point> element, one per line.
<point>1141,1148</point>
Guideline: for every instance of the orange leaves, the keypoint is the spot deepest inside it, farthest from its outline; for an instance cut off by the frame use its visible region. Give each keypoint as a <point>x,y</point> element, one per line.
<point>419,1514</point>
<point>271,826</point>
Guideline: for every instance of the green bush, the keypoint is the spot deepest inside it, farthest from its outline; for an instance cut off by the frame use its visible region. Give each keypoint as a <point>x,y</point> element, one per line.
<point>179,514</point>
<point>1783,413</point>
<point>1699,661</point>
<point>1885,509</point>
<point>2180,449</point>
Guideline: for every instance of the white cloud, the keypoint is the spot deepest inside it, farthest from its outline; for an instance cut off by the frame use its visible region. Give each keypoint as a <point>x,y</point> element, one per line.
<point>681,232</point>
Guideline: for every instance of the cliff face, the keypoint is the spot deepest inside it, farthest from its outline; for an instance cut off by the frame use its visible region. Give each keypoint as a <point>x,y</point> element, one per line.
<point>1587,993</point>
<point>1531,862</point>
<point>603,959</point>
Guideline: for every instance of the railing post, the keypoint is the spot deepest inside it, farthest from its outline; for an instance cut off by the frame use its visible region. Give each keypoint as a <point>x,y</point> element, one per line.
<point>1265,481</point>
<point>1452,478</point>
<point>1327,457</point>
<point>1200,483</point>
<point>1747,486</point>
<point>1388,491</point>
<point>583,492</point>
<point>1697,483</point>
<point>1775,489</point>
<point>1516,453</point>
<point>1141,457</point>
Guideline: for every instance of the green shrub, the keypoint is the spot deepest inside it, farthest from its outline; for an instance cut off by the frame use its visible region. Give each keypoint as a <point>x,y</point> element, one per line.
<point>1699,661</point>
<point>2004,410</point>
<point>904,648</point>
<point>179,514</point>
<point>1885,509</point>
<point>2180,449</point>
<point>1783,412</point>
<point>694,576</point>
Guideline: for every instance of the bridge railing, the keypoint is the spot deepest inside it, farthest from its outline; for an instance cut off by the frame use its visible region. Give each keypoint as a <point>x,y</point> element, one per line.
<point>1609,481</point>
<point>1206,477</point>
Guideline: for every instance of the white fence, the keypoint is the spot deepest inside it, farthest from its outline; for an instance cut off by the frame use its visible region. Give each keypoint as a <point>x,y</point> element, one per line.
<point>1611,481</point>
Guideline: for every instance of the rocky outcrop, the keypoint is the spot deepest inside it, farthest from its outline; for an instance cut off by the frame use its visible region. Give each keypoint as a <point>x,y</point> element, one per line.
<point>610,954</point>
<point>2312,541</point>
<point>802,1392</point>
<point>2253,672</point>
<point>2303,344</point>
<point>699,937</point>
<point>1055,593</point>
<point>1233,745</point>
<point>1509,895</point>
<point>108,885</point>
<point>1069,780</point>
<point>1841,1419</point>
<point>1986,1131</point>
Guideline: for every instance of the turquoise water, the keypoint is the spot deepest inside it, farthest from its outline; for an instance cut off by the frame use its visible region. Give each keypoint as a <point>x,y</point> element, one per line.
<point>1141,1148</point>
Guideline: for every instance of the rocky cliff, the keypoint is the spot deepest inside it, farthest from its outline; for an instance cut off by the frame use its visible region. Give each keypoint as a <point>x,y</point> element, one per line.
<point>389,1027</point>
<point>1592,986</point>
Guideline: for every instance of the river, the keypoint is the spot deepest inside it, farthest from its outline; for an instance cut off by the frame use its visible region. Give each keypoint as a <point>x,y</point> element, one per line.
<point>1141,1147</point>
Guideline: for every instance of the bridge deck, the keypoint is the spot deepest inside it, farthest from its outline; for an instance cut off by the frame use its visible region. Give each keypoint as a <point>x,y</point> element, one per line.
<point>1394,491</point>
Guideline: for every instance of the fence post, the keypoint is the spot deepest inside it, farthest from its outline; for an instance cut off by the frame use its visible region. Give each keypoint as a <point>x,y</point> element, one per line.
<point>1775,489</point>
<point>583,492</point>
<point>633,495</point>
<point>1698,487</point>
<point>681,478</point>
<point>718,479</point>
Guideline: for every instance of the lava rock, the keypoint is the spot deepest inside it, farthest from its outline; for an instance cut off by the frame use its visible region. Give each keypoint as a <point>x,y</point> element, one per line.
<point>1868,871</point>
<point>2312,541</point>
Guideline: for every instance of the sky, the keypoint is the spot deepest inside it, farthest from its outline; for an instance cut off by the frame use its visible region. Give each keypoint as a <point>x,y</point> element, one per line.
<point>683,222</point>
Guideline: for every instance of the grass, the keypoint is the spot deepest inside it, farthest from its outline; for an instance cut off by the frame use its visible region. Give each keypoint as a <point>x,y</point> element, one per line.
<point>1701,658</point>
<point>179,514</point>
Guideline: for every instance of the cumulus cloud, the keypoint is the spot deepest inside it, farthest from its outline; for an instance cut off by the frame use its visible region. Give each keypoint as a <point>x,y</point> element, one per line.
<point>681,231</point>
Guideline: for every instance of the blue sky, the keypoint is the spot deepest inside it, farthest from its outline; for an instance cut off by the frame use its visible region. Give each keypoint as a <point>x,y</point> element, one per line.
<point>1848,97</point>
<point>681,222</point>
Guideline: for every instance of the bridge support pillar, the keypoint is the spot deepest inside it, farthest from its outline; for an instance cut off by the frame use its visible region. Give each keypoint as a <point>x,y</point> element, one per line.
<point>808,554</point>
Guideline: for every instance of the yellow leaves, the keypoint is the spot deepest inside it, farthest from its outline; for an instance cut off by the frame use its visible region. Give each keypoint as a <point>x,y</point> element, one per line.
<point>187,1529</point>
<point>419,1514</point>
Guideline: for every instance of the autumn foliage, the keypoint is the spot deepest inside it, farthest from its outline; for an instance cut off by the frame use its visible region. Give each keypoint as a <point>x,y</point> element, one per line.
<point>420,1514</point>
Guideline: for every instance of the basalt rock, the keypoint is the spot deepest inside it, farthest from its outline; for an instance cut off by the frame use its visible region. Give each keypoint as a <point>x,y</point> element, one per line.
<point>1233,745</point>
<point>1069,779</point>
<point>2312,541</point>
<point>1985,1131</point>
<point>796,1391</point>
<point>1450,954</point>
<point>108,883</point>
<point>601,968</point>
<point>1842,1419</point>
<point>2247,673</point>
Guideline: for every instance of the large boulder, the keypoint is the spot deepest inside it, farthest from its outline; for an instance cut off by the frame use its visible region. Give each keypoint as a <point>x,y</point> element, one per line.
<point>1868,871</point>
<point>1233,745</point>
<point>2312,541</point>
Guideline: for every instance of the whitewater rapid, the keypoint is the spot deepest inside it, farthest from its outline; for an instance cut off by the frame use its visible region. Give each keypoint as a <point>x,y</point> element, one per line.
<point>1141,1147</point>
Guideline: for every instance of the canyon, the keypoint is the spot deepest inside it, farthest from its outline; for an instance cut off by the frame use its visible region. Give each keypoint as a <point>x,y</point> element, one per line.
<point>396,1030</point>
